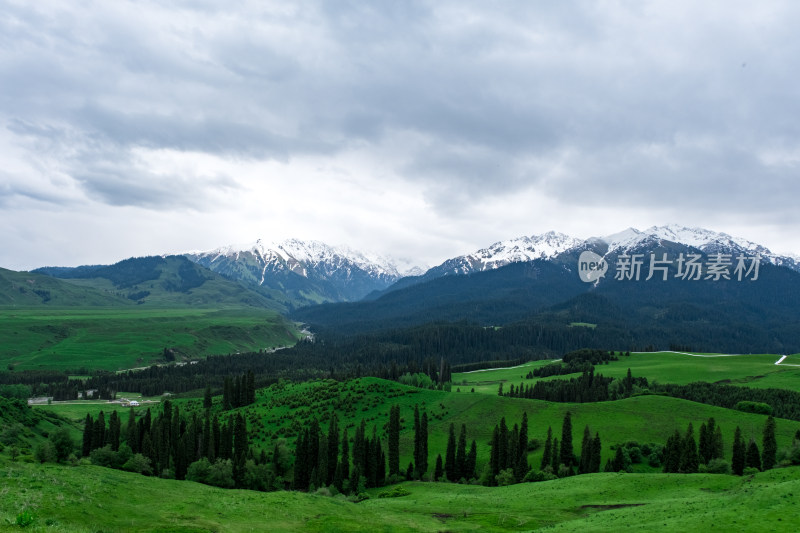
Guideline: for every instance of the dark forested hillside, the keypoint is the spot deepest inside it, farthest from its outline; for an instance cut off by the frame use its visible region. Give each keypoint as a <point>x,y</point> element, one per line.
<point>760,315</point>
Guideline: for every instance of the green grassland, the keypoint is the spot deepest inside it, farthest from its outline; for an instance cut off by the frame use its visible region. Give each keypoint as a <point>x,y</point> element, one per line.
<point>757,370</point>
<point>88,499</point>
<point>115,338</point>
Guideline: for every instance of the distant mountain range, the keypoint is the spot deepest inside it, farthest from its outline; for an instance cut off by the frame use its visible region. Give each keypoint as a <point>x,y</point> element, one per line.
<point>507,281</point>
<point>537,278</point>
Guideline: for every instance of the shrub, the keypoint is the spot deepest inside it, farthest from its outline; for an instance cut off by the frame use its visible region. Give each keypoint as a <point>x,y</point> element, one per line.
<point>45,453</point>
<point>62,444</point>
<point>396,492</point>
<point>138,463</point>
<point>539,475</point>
<point>24,519</point>
<point>717,466</point>
<point>104,456</point>
<point>505,477</point>
<point>754,407</point>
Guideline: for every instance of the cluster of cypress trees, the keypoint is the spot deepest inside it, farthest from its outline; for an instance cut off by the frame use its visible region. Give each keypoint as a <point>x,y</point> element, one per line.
<point>325,459</point>
<point>96,435</point>
<point>173,443</point>
<point>683,455</point>
<point>459,464</point>
<point>509,450</point>
<point>559,457</point>
<point>748,456</point>
<point>237,392</point>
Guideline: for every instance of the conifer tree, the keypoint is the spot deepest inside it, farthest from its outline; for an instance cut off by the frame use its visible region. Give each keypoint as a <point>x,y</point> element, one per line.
<point>704,445</point>
<point>717,447</point>
<point>359,449</point>
<point>394,440</point>
<point>88,431</point>
<point>438,470</point>
<point>423,458</point>
<point>417,437</point>
<point>338,477</point>
<point>345,460</point>
<point>240,445</point>
<point>594,465</point>
<point>132,432</point>
<point>227,394</point>
<point>673,450</point>
<point>207,399</point>
<point>494,458</point>
<point>99,434</point>
<point>472,461</point>
<point>769,446</point>
<point>461,455</point>
<point>689,460</point>
<point>618,462</point>
<point>502,452</point>
<point>547,456</point>
<point>114,430</point>
<point>216,433</point>
<point>567,452</point>
<point>322,462</point>
<point>333,447</point>
<point>556,456</point>
<point>753,457</point>
<point>251,387</point>
<point>522,466</point>
<point>313,446</point>
<point>450,456</point>
<point>586,452</point>
<point>300,481</point>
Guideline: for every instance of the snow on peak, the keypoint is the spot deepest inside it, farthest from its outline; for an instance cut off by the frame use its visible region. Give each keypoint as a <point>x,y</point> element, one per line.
<point>700,238</point>
<point>520,249</point>
<point>298,252</point>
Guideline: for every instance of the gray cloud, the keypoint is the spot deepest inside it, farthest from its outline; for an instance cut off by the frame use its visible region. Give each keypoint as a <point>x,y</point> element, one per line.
<point>630,104</point>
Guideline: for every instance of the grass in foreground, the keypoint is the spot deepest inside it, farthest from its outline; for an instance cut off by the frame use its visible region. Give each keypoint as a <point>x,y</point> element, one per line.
<point>88,498</point>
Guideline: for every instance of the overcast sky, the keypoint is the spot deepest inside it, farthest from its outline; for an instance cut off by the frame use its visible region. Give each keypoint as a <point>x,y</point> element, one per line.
<point>419,129</point>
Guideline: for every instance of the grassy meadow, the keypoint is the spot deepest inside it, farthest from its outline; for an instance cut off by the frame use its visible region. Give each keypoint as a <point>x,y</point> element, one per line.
<point>126,337</point>
<point>757,370</point>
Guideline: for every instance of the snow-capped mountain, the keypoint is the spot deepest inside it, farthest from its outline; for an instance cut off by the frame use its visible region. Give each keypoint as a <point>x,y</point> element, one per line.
<point>304,271</point>
<point>554,246</point>
<point>545,246</point>
<point>707,241</point>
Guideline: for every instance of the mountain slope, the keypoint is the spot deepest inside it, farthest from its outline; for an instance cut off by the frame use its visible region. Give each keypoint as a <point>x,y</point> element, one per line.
<point>171,281</point>
<point>25,289</point>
